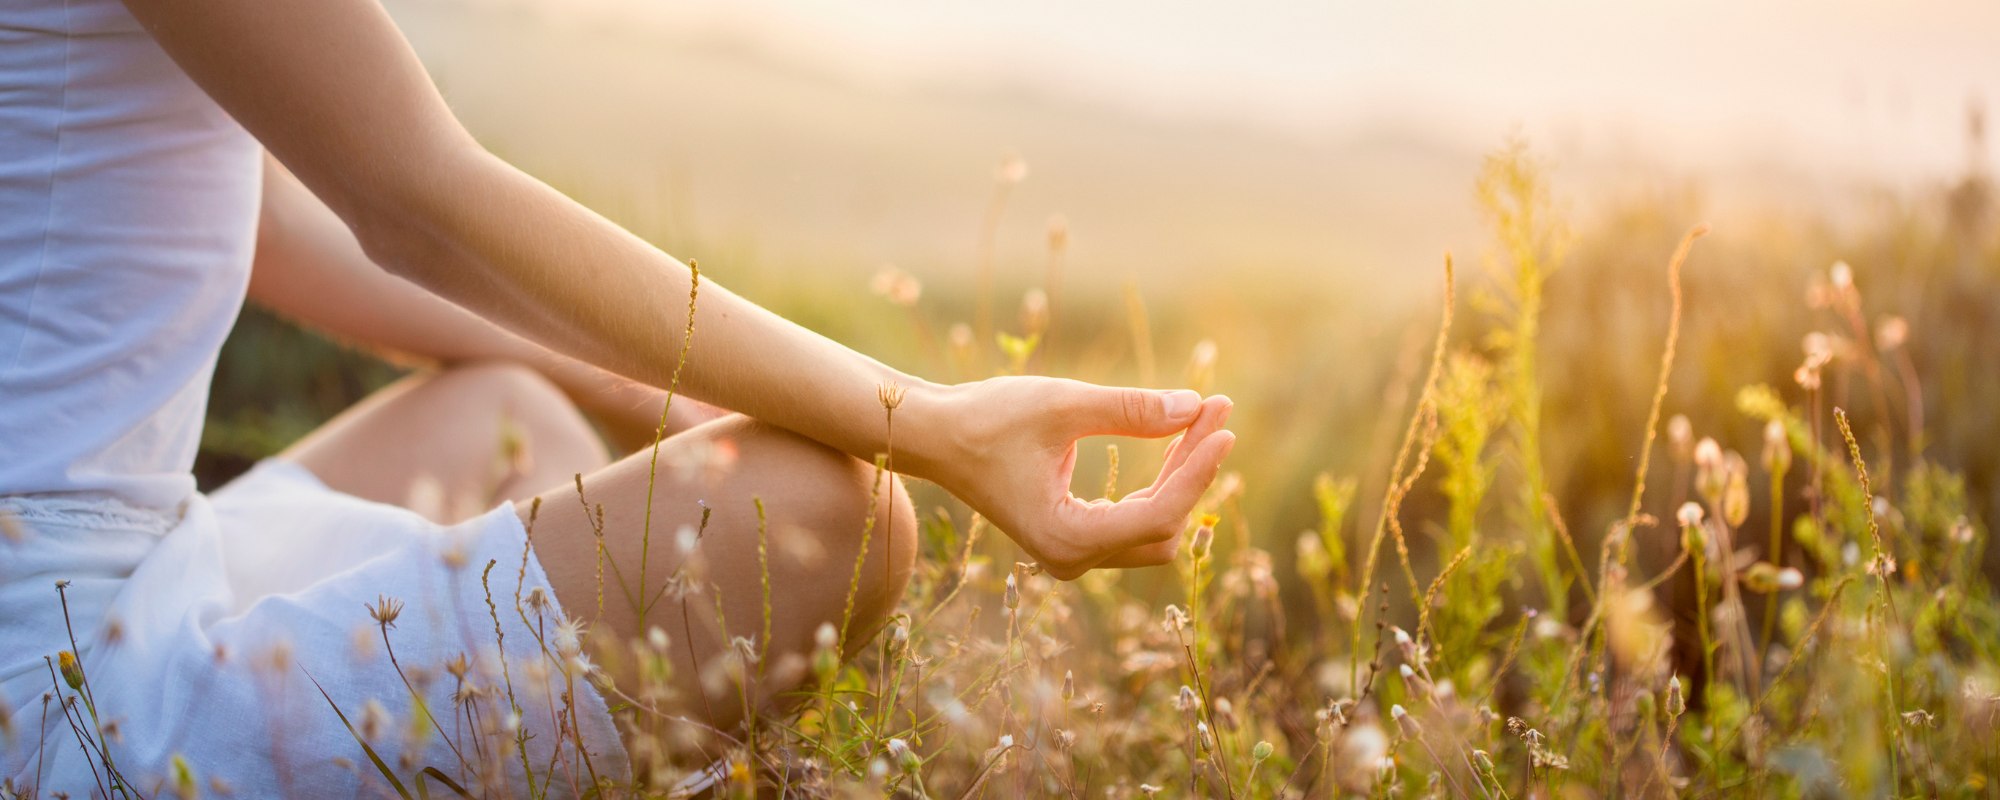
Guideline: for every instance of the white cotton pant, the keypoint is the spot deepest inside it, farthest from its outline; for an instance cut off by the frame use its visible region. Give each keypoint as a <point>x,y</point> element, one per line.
<point>202,634</point>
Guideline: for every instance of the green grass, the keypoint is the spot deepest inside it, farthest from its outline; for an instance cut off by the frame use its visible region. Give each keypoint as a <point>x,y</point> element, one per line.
<point>1532,619</point>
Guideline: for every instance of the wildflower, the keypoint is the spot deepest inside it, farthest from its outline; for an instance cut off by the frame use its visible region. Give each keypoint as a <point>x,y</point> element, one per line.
<point>1761,577</point>
<point>1012,598</point>
<point>1777,447</point>
<point>1676,704</point>
<point>1204,538</point>
<point>72,672</point>
<point>1065,739</point>
<point>905,757</point>
<point>896,285</point>
<point>1790,578</point>
<point>1405,721</point>
<point>580,664</point>
<point>1919,718</point>
<point>1807,377</point>
<point>891,394</point>
<point>385,610</point>
<point>1034,312</point>
<point>1690,514</point>
<point>1203,736</point>
<point>1010,170</point>
<point>1680,434</point>
<point>1175,620</point>
<point>1707,453</point>
<point>569,636</point>
<point>1187,701</point>
<point>1961,531</point>
<point>1483,761</point>
<point>1736,499</point>
<point>1819,349</point>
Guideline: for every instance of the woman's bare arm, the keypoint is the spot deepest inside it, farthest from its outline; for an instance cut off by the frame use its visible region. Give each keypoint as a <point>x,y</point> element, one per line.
<point>310,269</point>
<point>335,93</point>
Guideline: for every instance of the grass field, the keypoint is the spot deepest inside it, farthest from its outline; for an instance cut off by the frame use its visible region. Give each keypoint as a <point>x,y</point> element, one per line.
<point>1620,510</point>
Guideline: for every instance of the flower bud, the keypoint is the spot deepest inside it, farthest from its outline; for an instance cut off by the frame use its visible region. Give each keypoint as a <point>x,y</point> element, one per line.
<point>1736,500</point>
<point>1676,704</point>
<point>1262,751</point>
<point>906,759</point>
<point>1761,577</point>
<point>1680,434</point>
<point>827,637</point>
<point>1777,447</point>
<point>1483,761</point>
<point>72,672</point>
<point>1405,721</point>
<point>1012,598</point>
<point>1204,539</point>
<point>1069,686</point>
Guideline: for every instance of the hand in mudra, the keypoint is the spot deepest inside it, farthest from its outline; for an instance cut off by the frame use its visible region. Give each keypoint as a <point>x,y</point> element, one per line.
<point>1007,447</point>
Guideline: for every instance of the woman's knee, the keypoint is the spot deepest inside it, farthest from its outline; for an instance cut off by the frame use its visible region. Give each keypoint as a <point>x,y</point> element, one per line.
<point>817,501</point>
<point>539,438</point>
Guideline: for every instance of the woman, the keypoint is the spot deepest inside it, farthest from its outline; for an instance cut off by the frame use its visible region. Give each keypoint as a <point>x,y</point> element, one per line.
<point>135,195</point>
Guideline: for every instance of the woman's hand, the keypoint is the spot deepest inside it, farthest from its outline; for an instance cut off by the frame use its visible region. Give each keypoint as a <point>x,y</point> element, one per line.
<point>1007,447</point>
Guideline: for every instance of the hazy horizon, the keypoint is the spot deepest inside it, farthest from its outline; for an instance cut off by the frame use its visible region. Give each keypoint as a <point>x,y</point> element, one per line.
<point>1267,136</point>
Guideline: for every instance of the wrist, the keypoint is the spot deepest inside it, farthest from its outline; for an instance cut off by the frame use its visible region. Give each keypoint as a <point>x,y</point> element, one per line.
<point>925,429</point>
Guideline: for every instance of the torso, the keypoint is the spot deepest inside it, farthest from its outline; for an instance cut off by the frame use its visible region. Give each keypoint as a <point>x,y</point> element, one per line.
<point>128,218</point>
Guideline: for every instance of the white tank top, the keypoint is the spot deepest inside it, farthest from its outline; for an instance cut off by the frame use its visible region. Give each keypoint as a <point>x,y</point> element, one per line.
<point>128,217</point>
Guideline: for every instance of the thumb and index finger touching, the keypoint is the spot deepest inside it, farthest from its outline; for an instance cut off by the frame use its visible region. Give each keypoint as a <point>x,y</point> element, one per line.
<point>1156,513</point>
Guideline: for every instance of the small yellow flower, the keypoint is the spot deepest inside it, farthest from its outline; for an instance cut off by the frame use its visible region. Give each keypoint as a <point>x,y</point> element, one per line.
<point>72,672</point>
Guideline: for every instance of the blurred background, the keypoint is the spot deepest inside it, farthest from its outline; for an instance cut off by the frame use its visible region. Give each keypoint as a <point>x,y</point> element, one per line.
<point>1255,197</point>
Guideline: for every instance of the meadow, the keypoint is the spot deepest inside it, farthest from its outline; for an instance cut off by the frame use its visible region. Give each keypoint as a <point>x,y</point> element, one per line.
<point>1638,503</point>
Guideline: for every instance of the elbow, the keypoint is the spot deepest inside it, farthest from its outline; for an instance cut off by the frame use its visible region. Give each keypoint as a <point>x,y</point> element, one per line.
<point>406,220</point>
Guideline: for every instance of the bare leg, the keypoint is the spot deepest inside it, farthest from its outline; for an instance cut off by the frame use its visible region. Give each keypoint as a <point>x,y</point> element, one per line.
<point>452,444</point>
<point>817,503</point>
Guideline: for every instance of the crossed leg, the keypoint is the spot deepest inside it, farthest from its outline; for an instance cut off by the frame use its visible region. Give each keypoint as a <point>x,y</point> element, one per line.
<point>501,432</point>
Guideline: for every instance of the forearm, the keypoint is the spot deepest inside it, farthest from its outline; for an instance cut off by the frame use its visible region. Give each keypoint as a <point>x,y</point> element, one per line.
<point>554,272</point>
<point>310,269</point>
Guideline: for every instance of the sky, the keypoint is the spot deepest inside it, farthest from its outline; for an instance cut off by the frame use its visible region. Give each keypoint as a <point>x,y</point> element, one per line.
<point>1254,137</point>
<point>1868,88</point>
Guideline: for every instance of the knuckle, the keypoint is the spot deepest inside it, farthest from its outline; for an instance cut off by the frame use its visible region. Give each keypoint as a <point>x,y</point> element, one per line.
<point>1133,406</point>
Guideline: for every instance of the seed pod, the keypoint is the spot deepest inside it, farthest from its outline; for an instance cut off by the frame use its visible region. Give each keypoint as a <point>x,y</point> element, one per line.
<point>1676,704</point>
<point>1202,735</point>
<point>1262,751</point>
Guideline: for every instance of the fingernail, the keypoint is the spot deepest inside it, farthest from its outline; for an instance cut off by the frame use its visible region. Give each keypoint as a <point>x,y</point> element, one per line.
<point>1180,405</point>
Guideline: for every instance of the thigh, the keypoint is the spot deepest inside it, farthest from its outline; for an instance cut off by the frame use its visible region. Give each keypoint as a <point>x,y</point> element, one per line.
<point>451,444</point>
<point>820,558</point>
